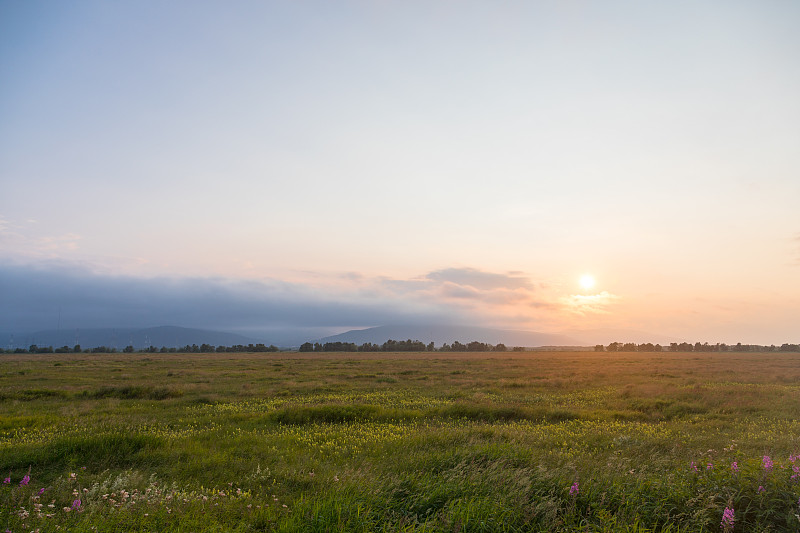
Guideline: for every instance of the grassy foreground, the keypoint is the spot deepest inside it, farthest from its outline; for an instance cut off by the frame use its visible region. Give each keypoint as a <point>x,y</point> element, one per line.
<point>400,442</point>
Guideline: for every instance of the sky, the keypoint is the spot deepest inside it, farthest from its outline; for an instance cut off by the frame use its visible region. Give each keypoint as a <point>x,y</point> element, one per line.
<point>319,166</point>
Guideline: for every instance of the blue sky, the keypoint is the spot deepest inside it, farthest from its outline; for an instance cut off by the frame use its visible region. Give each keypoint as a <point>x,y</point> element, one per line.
<point>401,154</point>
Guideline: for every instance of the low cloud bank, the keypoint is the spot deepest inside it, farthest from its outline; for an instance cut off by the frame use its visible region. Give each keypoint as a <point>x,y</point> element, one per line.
<point>50,297</point>
<point>56,296</point>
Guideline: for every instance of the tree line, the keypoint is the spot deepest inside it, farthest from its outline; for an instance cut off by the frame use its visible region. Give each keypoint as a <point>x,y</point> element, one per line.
<point>189,348</point>
<point>696,347</point>
<point>410,346</point>
<point>402,346</point>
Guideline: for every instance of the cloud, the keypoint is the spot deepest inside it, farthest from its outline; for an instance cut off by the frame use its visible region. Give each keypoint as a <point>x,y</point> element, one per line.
<point>9,232</point>
<point>480,279</point>
<point>39,297</point>
<point>584,304</point>
<point>73,296</point>
<point>22,240</point>
<point>453,290</point>
<point>467,287</point>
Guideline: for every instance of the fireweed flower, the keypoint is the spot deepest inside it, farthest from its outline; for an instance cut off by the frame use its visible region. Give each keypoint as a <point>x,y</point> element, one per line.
<point>574,489</point>
<point>694,466</point>
<point>709,466</point>
<point>76,504</point>
<point>25,480</point>
<point>767,462</point>
<point>41,491</point>
<point>7,480</point>
<point>761,489</point>
<point>735,467</point>
<point>727,519</point>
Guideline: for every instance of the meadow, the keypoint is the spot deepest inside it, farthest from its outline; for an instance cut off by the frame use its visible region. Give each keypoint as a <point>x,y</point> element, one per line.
<point>515,441</point>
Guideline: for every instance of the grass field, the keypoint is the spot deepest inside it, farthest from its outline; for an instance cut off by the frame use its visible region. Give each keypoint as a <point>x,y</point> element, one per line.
<point>400,442</point>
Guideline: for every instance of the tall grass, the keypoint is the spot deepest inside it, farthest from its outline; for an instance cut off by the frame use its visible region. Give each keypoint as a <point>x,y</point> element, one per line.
<point>400,442</point>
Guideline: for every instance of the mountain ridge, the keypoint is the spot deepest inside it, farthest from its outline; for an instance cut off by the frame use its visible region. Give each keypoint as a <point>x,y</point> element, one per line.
<point>439,334</point>
<point>177,337</point>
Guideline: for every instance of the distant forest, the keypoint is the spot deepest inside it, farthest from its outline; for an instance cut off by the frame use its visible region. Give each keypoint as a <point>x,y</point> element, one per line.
<point>189,348</point>
<point>475,346</point>
<point>413,346</point>
<point>696,347</point>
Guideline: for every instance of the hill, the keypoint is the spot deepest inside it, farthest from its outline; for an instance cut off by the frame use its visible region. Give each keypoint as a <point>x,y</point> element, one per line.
<point>439,334</point>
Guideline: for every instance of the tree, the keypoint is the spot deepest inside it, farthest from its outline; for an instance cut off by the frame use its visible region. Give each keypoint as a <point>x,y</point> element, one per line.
<point>500,347</point>
<point>476,346</point>
<point>128,349</point>
<point>599,348</point>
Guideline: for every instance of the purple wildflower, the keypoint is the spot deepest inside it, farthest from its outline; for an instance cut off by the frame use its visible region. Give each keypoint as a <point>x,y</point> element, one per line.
<point>709,466</point>
<point>727,519</point>
<point>574,489</point>
<point>694,466</point>
<point>76,504</point>
<point>767,462</point>
<point>761,489</point>
<point>735,467</point>
<point>7,480</point>
<point>41,491</point>
<point>25,480</point>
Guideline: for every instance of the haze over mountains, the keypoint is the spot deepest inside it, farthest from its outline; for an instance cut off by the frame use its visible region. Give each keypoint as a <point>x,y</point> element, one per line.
<point>440,334</point>
<point>176,337</point>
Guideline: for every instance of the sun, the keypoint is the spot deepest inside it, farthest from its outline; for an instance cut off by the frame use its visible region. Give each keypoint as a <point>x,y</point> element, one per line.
<point>587,281</point>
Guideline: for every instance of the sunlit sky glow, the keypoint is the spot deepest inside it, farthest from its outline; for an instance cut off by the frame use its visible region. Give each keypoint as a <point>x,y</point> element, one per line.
<point>451,162</point>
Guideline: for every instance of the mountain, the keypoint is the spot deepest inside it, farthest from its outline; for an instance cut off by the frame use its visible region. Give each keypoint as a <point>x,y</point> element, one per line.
<point>169,336</point>
<point>439,334</point>
<point>176,337</point>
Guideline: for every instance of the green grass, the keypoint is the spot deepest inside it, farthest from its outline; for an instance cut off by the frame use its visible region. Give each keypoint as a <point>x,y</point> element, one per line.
<point>399,442</point>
